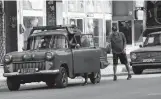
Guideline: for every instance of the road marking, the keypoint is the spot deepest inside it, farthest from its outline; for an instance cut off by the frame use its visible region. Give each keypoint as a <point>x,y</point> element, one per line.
<point>154,94</point>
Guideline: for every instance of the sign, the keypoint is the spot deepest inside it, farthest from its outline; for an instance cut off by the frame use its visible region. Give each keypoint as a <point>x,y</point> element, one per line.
<point>148,60</point>
<point>122,10</point>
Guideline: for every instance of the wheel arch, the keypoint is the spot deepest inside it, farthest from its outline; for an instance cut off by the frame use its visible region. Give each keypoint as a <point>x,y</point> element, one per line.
<point>66,67</point>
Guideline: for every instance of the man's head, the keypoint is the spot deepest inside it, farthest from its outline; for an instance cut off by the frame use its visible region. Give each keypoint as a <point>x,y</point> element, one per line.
<point>114,28</point>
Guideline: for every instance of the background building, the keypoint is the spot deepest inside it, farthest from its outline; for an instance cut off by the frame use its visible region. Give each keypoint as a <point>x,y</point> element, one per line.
<point>18,17</point>
<point>92,16</point>
<point>98,16</point>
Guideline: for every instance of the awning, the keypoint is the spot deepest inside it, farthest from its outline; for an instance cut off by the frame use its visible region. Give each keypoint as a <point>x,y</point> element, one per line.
<point>151,30</point>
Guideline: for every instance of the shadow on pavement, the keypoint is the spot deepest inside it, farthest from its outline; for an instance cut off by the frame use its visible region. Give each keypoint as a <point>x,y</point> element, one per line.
<point>43,87</point>
<point>125,73</point>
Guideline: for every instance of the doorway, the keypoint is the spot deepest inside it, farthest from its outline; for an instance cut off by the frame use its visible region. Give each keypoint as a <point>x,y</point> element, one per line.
<point>126,28</point>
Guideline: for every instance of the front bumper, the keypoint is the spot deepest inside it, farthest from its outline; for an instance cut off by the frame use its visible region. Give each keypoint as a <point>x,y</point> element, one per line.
<point>145,64</point>
<point>36,73</point>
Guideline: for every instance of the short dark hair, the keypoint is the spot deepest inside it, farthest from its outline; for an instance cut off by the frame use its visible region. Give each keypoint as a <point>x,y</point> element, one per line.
<point>114,28</point>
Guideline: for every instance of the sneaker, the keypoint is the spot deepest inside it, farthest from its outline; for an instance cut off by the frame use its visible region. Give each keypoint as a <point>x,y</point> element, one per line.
<point>129,77</point>
<point>114,78</point>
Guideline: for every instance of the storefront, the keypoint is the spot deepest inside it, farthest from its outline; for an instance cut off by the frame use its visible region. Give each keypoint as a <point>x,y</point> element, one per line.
<point>97,17</point>
<point>36,13</point>
<point>91,17</point>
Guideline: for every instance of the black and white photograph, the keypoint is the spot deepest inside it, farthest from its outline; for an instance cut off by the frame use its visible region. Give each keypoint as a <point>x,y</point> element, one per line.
<point>80,49</point>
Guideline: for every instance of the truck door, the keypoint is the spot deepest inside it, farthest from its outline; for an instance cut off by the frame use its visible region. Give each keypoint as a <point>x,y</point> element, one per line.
<point>86,58</point>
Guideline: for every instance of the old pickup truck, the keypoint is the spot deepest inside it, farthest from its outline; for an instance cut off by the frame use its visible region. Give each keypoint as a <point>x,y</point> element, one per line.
<point>52,54</point>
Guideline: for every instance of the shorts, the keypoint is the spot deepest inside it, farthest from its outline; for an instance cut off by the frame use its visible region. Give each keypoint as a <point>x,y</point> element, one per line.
<point>121,56</point>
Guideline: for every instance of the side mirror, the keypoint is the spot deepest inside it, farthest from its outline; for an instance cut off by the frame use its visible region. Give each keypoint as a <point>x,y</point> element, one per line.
<point>77,46</point>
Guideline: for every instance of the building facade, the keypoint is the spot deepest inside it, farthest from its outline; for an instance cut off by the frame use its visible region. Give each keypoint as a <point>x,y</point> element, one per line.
<point>98,16</point>
<point>91,16</point>
<point>19,16</point>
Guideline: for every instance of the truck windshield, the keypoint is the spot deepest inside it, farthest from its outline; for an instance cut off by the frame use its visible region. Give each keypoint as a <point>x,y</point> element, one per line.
<point>153,40</point>
<point>45,42</point>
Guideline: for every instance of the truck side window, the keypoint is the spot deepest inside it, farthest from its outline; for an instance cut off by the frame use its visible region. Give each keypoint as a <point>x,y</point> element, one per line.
<point>59,41</point>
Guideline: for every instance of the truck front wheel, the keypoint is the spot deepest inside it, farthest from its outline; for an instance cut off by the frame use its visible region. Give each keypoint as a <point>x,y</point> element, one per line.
<point>62,78</point>
<point>13,84</point>
<point>137,70</point>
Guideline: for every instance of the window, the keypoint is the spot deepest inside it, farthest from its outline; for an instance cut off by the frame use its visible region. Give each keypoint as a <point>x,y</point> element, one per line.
<point>90,5</point>
<point>39,42</point>
<point>59,41</point>
<point>33,4</point>
<point>153,40</point>
<point>80,6</point>
<point>87,41</point>
<point>98,6</point>
<point>71,6</point>
<point>107,6</point>
<point>45,42</point>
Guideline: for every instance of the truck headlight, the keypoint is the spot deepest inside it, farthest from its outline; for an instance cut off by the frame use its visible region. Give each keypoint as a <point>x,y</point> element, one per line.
<point>49,55</point>
<point>26,57</point>
<point>133,56</point>
<point>7,58</point>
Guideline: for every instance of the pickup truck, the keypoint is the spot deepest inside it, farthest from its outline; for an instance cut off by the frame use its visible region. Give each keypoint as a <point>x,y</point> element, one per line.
<point>52,54</point>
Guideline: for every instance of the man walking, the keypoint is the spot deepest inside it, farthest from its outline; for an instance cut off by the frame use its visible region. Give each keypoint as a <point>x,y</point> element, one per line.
<point>118,45</point>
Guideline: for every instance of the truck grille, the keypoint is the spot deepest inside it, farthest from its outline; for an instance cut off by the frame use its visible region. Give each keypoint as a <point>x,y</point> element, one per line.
<point>26,65</point>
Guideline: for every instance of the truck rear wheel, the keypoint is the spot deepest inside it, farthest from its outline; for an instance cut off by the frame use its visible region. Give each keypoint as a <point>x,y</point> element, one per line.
<point>62,78</point>
<point>95,77</point>
<point>137,70</point>
<point>13,84</point>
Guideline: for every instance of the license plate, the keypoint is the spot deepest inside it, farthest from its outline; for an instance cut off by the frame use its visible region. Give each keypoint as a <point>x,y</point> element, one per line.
<point>28,70</point>
<point>148,60</point>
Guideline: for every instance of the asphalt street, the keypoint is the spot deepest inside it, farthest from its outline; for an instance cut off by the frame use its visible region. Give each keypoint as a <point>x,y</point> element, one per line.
<point>147,86</point>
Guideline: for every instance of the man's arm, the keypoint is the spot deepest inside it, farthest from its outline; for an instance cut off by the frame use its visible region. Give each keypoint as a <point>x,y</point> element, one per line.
<point>108,45</point>
<point>124,40</point>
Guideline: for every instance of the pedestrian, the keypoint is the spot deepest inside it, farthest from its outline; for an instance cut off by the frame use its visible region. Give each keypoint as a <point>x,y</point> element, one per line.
<point>117,43</point>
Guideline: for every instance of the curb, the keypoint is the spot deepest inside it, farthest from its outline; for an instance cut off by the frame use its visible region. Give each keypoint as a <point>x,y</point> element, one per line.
<point>76,80</point>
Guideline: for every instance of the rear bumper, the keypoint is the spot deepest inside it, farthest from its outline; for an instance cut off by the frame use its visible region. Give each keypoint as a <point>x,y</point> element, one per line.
<point>44,72</point>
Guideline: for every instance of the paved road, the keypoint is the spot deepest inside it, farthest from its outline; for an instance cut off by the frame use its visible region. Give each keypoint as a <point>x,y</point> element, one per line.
<point>140,87</point>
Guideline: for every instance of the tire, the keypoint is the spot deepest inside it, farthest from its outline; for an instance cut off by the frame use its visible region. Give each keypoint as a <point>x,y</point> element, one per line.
<point>137,70</point>
<point>50,84</point>
<point>61,79</point>
<point>95,77</point>
<point>13,84</point>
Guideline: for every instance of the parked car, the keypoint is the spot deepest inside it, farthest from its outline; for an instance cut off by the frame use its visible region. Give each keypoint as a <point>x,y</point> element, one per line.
<point>52,54</point>
<point>147,56</point>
